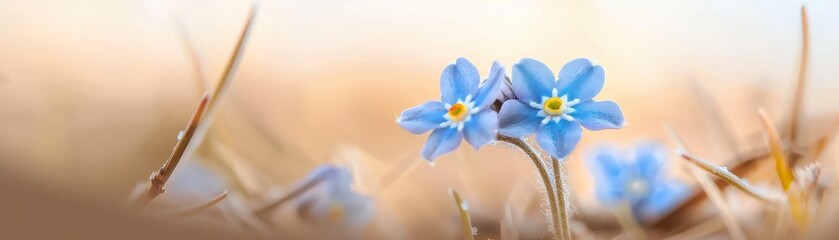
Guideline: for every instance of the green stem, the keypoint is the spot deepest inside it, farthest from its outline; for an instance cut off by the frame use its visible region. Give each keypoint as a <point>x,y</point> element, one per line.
<point>546,179</point>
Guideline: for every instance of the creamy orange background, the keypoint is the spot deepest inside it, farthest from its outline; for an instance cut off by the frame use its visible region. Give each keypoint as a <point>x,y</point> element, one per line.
<point>93,93</point>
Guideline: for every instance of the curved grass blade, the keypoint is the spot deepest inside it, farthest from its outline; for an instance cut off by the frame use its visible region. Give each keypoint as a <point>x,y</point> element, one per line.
<point>776,150</point>
<point>509,226</point>
<point>158,179</point>
<point>465,221</point>
<point>798,99</point>
<point>727,176</point>
<point>197,209</point>
<point>714,194</point>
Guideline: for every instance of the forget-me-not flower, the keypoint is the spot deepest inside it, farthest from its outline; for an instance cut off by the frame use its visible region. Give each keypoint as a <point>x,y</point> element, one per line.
<point>464,111</point>
<point>555,109</point>
<point>639,180</point>
<point>332,200</point>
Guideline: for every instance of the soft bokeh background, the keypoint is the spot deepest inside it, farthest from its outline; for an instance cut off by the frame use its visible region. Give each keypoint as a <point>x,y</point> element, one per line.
<point>93,93</point>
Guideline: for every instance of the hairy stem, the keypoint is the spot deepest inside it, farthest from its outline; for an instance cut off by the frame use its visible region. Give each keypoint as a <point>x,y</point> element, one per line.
<point>562,199</point>
<point>546,179</point>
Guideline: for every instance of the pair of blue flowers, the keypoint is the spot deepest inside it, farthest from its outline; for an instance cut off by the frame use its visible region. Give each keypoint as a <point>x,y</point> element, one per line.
<point>554,108</point>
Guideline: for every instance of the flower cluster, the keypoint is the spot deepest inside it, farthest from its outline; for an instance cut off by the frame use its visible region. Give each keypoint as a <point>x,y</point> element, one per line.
<point>636,179</point>
<point>535,102</point>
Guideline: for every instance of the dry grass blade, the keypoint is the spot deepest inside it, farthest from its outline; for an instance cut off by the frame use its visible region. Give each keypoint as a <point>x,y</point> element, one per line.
<point>713,192</point>
<point>158,179</point>
<point>244,178</point>
<point>509,227</point>
<point>711,108</point>
<point>700,231</point>
<point>798,99</point>
<point>784,171</point>
<point>717,199</point>
<point>465,221</point>
<point>727,176</point>
<point>239,210</point>
<point>628,222</point>
<point>235,58</point>
<point>740,166</point>
<point>295,192</point>
<point>825,139</point>
<point>232,64</point>
<point>217,130</point>
<point>776,150</point>
<point>780,228</point>
<point>197,209</point>
<point>398,171</point>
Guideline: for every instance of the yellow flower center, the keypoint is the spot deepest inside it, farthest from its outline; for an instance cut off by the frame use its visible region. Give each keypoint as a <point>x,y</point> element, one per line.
<point>458,112</point>
<point>553,106</point>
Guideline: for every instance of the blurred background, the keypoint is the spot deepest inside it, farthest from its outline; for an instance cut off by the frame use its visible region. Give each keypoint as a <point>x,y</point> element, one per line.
<point>94,93</point>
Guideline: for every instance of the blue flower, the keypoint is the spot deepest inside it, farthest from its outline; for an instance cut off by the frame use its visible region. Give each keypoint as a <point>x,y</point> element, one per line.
<point>464,111</point>
<point>331,200</point>
<point>555,109</point>
<point>638,181</point>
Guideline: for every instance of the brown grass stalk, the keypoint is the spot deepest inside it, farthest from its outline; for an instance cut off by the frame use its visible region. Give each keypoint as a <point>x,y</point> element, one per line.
<point>158,179</point>
<point>208,204</point>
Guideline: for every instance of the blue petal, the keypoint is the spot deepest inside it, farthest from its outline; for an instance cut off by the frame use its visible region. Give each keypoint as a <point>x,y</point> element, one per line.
<point>334,190</point>
<point>609,174</point>
<point>480,130</point>
<point>517,119</point>
<point>532,80</point>
<point>194,180</point>
<point>422,118</point>
<point>596,115</point>
<point>332,180</point>
<point>580,79</point>
<point>649,159</point>
<point>326,171</point>
<point>664,198</point>
<point>359,210</point>
<point>491,88</point>
<point>559,138</point>
<point>442,140</point>
<point>458,80</point>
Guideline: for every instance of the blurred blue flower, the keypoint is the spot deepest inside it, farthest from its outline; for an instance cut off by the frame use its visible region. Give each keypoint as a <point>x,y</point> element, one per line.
<point>555,109</point>
<point>639,181</point>
<point>332,201</point>
<point>463,112</point>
